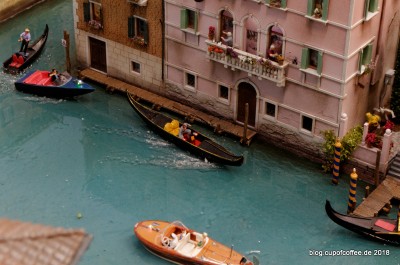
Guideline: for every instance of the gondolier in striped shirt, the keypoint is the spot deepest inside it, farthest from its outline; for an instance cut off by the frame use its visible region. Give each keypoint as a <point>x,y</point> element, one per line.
<point>24,38</point>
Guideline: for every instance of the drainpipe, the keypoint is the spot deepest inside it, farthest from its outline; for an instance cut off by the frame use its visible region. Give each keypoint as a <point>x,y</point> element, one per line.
<point>162,21</point>
<point>377,54</point>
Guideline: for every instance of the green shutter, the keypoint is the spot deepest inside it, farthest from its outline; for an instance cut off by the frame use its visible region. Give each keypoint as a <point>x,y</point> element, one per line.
<point>131,27</point>
<point>310,7</point>
<point>267,2</point>
<point>360,60</point>
<point>319,66</point>
<point>86,12</point>
<point>101,15</point>
<point>373,5</point>
<point>184,19</point>
<point>366,8</point>
<point>146,32</point>
<point>305,58</point>
<point>325,5</point>
<point>367,54</point>
<point>196,20</point>
<point>283,4</point>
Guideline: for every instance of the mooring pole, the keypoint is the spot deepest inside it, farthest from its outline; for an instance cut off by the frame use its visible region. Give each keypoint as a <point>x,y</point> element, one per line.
<point>351,205</point>
<point>67,59</point>
<point>246,121</point>
<point>377,162</point>
<point>336,162</point>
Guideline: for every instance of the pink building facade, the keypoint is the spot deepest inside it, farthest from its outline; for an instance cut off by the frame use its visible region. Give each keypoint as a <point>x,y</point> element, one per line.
<point>302,66</point>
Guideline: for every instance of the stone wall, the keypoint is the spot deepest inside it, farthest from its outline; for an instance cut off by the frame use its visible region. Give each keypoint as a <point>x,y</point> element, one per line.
<point>9,8</point>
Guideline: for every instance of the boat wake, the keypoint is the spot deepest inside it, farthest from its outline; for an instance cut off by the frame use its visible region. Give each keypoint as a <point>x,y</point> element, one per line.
<point>43,100</point>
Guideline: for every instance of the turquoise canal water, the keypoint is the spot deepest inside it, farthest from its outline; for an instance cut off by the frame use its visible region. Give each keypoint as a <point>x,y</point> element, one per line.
<point>94,156</point>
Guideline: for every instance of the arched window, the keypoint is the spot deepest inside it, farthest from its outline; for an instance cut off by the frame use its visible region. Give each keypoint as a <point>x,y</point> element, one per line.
<point>226,27</point>
<point>275,42</point>
<point>251,36</point>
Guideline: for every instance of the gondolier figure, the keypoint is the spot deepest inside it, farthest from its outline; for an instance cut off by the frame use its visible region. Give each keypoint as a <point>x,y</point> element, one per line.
<point>24,38</point>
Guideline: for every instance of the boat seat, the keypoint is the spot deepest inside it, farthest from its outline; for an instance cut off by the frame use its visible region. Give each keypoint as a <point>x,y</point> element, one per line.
<point>20,61</point>
<point>14,60</point>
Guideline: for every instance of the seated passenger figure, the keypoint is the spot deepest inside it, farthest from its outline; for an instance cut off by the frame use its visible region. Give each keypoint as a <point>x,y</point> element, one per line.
<point>174,241</point>
<point>54,75</point>
<point>184,132</point>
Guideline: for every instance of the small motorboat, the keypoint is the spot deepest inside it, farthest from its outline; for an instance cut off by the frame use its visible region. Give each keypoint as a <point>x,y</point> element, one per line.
<point>19,61</point>
<point>42,84</point>
<point>378,228</point>
<point>176,243</point>
<point>202,146</point>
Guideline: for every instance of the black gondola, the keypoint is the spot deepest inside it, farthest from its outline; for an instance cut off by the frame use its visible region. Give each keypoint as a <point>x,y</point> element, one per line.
<point>203,146</point>
<point>15,64</point>
<point>378,228</point>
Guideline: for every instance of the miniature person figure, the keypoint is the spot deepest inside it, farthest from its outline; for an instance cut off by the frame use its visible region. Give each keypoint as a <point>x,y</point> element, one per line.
<point>272,52</point>
<point>174,241</point>
<point>54,75</point>
<point>228,40</point>
<point>318,11</point>
<point>184,132</point>
<point>24,38</point>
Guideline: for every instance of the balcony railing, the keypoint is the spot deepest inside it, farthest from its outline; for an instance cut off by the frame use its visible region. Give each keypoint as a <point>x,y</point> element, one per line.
<point>243,61</point>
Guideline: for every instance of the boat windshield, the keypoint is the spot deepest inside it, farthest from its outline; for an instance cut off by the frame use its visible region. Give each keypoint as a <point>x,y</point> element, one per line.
<point>176,227</point>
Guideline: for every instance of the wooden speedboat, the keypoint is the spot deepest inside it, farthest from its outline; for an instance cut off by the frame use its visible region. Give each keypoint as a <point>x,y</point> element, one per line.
<point>202,146</point>
<point>378,228</point>
<point>18,61</point>
<point>179,244</point>
<point>41,84</point>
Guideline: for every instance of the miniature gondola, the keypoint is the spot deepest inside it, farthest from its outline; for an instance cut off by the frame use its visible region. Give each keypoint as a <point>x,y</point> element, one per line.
<point>201,146</point>
<point>19,61</point>
<point>179,244</point>
<point>40,83</point>
<point>378,228</point>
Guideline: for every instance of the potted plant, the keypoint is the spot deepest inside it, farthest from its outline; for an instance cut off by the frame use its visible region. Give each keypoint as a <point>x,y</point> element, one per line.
<point>211,33</point>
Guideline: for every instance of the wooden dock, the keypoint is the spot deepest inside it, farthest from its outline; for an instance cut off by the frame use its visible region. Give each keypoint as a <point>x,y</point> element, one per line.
<point>384,193</point>
<point>219,125</point>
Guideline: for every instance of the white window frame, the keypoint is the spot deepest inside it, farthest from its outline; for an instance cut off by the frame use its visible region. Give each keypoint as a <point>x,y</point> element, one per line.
<point>267,116</point>
<point>185,80</point>
<point>302,129</point>
<point>140,67</point>
<point>221,99</point>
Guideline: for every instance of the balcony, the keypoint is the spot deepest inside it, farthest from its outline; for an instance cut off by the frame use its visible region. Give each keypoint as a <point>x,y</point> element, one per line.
<point>252,64</point>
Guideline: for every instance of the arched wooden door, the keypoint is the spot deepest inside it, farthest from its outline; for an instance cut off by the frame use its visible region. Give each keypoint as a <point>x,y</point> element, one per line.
<point>246,94</point>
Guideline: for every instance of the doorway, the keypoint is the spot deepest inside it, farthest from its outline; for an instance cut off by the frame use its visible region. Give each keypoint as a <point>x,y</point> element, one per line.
<point>98,54</point>
<point>247,94</point>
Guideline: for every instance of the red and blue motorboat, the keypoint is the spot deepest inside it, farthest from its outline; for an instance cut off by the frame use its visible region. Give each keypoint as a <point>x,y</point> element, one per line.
<point>41,83</point>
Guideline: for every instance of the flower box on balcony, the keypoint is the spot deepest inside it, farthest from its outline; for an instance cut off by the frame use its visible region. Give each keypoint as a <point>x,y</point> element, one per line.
<point>95,24</point>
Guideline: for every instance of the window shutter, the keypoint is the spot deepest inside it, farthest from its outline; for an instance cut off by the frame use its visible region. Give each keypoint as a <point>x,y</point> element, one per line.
<point>86,12</point>
<point>196,20</point>
<point>325,5</point>
<point>366,8</point>
<point>305,57</point>
<point>367,54</point>
<point>360,62</point>
<point>373,5</point>
<point>145,32</point>
<point>319,66</point>
<point>184,19</point>
<point>310,7</point>
<point>101,15</point>
<point>283,4</point>
<point>131,27</point>
<point>267,2</point>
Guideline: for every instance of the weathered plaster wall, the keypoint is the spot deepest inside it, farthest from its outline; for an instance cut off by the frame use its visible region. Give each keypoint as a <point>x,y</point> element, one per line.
<point>115,20</point>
